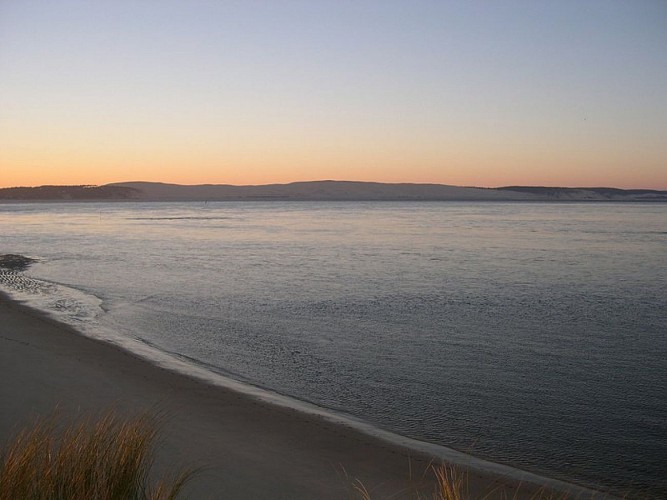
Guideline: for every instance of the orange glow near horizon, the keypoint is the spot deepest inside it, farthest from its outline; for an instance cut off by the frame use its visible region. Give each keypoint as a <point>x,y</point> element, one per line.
<point>31,177</point>
<point>231,93</point>
<point>465,165</point>
<point>186,155</point>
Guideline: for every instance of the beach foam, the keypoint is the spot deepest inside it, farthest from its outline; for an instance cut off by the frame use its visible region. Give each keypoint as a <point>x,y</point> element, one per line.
<point>64,303</point>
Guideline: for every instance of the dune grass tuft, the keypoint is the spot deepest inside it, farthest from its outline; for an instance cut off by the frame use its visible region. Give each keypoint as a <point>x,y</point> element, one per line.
<point>451,483</point>
<point>105,458</point>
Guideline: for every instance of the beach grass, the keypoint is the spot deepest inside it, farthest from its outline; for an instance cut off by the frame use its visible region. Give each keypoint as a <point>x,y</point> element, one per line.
<point>451,483</point>
<point>110,458</point>
<point>105,457</point>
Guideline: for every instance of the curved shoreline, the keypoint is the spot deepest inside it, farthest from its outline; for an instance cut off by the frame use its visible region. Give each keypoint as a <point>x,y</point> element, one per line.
<point>386,446</point>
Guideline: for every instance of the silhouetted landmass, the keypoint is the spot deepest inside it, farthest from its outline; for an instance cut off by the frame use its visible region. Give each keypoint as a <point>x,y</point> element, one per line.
<point>324,191</point>
<point>591,194</point>
<point>107,192</point>
<point>319,190</point>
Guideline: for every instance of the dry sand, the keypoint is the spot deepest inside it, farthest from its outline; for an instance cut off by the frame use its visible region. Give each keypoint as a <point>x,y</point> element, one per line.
<point>248,448</point>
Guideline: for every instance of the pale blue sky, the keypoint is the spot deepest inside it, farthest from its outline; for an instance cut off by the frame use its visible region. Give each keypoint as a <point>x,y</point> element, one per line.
<point>486,93</point>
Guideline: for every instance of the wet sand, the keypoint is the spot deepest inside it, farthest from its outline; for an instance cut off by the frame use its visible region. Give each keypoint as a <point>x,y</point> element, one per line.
<point>246,448</point>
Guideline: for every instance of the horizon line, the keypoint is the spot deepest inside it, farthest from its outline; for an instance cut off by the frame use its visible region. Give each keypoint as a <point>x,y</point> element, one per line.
<point>338,181</point>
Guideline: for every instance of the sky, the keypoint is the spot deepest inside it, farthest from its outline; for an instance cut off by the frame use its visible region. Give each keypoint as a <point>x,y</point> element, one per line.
<point>556,93</point>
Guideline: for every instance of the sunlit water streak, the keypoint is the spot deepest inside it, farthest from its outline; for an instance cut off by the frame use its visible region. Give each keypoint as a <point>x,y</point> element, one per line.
<point>528,334</point>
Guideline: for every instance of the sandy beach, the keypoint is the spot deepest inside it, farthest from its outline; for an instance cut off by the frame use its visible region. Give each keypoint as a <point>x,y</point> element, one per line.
<point>246,448</point>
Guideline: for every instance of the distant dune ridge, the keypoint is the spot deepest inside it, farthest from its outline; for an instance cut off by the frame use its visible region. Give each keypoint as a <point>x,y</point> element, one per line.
<point>109,192</point>
<point>323,191</point>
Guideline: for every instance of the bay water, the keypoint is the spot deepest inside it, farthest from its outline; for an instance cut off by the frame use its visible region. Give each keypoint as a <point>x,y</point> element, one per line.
<point>530,334</point>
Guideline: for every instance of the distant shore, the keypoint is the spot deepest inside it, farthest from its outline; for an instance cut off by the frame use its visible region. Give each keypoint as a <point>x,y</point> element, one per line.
<point>247,448</point>
<point>327,190</point>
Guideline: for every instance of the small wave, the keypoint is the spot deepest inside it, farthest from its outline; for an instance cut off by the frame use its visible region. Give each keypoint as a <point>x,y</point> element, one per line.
<point>194,362</point>
<point>180,218</point>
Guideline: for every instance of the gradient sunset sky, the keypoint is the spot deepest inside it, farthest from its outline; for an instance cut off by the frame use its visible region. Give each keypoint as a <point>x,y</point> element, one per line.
<point>567,93</point>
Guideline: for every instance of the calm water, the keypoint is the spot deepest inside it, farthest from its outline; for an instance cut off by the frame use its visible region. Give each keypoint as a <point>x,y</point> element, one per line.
<point>528,334</point>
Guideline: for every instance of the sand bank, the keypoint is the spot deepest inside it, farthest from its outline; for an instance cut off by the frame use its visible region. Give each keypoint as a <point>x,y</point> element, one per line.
<point>248,448</point>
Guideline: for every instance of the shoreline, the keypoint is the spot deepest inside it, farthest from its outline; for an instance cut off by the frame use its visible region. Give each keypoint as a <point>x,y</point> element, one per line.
<point>251,443</point>
<point>10,202</point>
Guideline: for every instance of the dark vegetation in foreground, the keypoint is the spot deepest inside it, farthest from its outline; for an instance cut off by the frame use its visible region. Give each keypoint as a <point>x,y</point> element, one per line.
<point>104,458</point>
